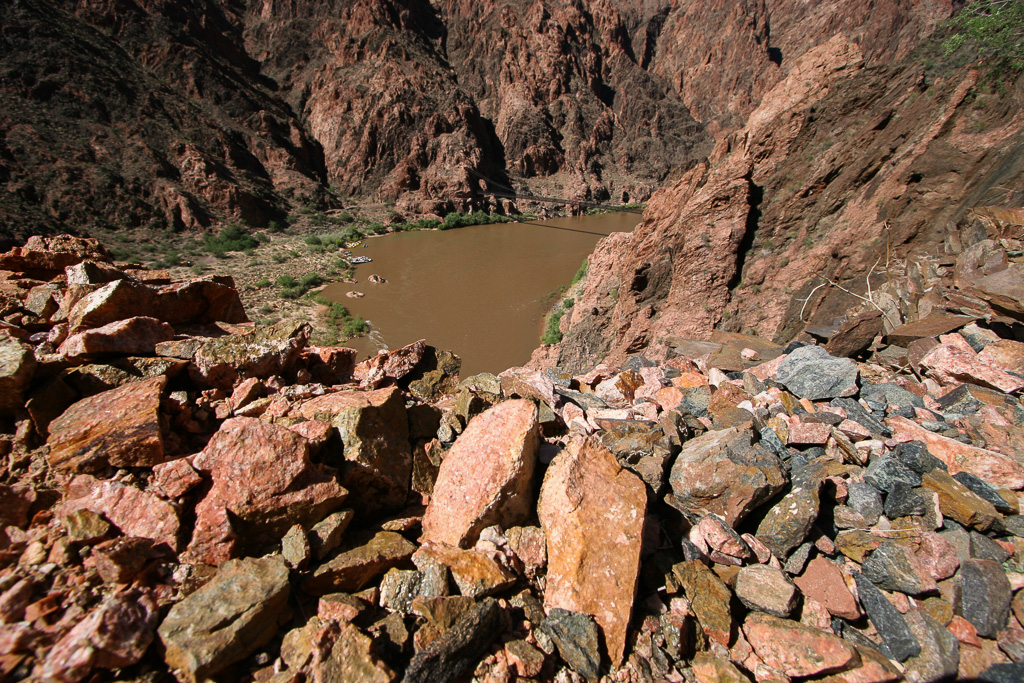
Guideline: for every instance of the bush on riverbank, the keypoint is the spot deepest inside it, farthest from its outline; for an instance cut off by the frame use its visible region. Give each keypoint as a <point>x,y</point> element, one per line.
<point>339,322</point>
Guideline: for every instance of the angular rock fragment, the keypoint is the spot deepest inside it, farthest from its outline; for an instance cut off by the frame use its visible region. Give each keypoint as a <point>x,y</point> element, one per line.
<point>959,502</point>
<point>17,364</point>
<point>354,569</point>
<point>985,596</point>
<point>823,581</point>
<point>898,641</point>
<point>136,336</point>
<point>593,514</point>
<point>263,477</point>
<point>940,652</point>
<point>351,657</point>
<point>810,372</point>
<point>893,567</point>
<point>134,512</point>
<point>261,353</point>
<point>375,461</point>
<point>475,573</point>
<point>794,649</point>
<point>457,652</point>
<point>724,473</point>
<point>234,614</point>
<point>709,599</point>
<point>789,521</point>
<point>487,476</point>
<point>766,589</point>
<point>389,366</point>
<point>576,637</point>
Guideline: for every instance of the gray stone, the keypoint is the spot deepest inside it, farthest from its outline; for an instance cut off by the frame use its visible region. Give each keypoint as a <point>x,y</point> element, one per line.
<point>230,617</point>
<point>898,641</point>
<point>915,455</point>
<point>576,637</point>
<point>455,654</point>
<point>885,472</point>
<point>766,589</point>
<point>789,521</point>
<point>891,394</point>
<point>865,499</point>
<point>1003,673</point>
<point>893,567</point>
<point>810,372</point>
<point>1015,525</point>
<point>939,658</point>
<point>326,535</point>
<point>984,548</point>
<point>903,501</point>
<point>985,600</point>
<point>856,412</point>
<point>796,562</point>
<point>295,547</point>
<point>401,586</point>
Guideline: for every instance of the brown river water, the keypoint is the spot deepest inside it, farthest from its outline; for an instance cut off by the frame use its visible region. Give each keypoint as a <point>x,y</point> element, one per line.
<point>480,291</point>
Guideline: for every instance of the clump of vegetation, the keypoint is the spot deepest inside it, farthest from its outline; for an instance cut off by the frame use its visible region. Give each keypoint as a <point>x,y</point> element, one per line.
<point>230,238</point>
<point>991,31</point>
<point>581,273</point>
<point>293,289</point>
<point>461,220</point>
<point>553,335</point>
<point>340,323</point>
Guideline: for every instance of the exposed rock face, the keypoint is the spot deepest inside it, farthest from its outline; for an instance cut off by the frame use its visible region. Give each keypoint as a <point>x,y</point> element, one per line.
<point>593,512</point>
<point>117,428</point>
<point>263,477</point>
<point>487,476</point>
<point>237,612</point>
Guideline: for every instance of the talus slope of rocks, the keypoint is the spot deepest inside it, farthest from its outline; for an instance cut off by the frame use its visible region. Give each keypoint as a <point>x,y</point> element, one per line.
<point>225,502</point>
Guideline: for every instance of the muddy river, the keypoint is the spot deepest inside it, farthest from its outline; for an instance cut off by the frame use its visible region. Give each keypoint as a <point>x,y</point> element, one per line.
<point>479,291</point>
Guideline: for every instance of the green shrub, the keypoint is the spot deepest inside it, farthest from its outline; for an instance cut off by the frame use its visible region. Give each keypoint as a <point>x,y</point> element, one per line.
<point>291,293</point>
<point>581,273</point>
<point>287,281</point>
<point>310,281</point>
<point>262,283</point>
<point>230,238</point>
<point>314,241</point>
<point>992,31</point>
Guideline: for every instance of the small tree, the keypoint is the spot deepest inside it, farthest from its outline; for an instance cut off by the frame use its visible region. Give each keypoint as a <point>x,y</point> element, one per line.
<point>993,30</point>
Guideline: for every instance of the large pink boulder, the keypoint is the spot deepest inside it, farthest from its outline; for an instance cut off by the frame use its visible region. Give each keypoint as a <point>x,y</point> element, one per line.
<point>263,483</point>
<point>136,336</point>
<point>134,511</point>
<point>593,513</point>
<point>487,476</point>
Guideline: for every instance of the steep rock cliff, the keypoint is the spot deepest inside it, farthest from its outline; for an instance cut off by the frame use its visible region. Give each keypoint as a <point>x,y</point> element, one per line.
<point>845,165</point>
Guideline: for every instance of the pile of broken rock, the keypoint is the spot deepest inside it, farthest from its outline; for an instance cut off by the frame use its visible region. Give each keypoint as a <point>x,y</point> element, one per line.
<point>186,495</point>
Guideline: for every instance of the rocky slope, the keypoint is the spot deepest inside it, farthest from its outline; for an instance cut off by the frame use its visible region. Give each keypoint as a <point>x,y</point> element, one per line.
<point>187,496</point>
<point>844,166</point>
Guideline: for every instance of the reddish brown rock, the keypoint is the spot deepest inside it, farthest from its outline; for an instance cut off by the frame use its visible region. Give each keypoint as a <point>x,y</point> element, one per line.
<point>950,364</point>
<point>132,337</point>
<point>487,476</point>
<point>710,599</point>
<point>823,582</point>
<point>261,353</point>
<point>795,649</point>
<point>592,512</point>
<point>246,392</point>
<point>194,302</point>
<point>1003,289</point>
<point>389,366</point>
<point>476,574</point>
<point>528,383</point>
<point>175,478</point>
<point>932,326</point>
<point>117,428</point>
<point>45,257</point>
<point>376,460</point>
<point>134,512</point>
<point>1005,354</point>
<point>855,335</point>
<point>263,476</point>
<point>995,468</point>
<point>120,560</point>
<point>113,636</point>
